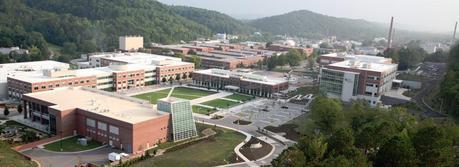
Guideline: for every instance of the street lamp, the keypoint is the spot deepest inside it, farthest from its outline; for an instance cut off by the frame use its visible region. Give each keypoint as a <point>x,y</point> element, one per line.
<point>60,141</point>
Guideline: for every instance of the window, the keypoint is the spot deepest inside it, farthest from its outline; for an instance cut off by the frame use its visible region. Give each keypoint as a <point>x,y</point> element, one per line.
<point>43,87</point>
<point>35,88</point>
<point>102,126</point>
<point>81,81</point>
<point>90,122</point>
<point>114,129</point>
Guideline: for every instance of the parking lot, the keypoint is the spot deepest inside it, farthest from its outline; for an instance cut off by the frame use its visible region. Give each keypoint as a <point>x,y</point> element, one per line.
<point>267,112</point>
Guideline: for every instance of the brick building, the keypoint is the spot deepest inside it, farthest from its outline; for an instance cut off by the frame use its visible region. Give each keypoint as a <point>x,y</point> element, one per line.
<point>285,48</point>
<point>122,122</point>
<point>243,82</point>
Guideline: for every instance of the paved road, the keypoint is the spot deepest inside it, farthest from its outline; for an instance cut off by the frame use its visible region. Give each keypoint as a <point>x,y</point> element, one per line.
<point>259,120</point>
<point>51,159</point>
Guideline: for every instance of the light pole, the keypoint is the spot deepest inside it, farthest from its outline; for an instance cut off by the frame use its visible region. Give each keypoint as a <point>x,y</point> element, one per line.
<point>60,141</point>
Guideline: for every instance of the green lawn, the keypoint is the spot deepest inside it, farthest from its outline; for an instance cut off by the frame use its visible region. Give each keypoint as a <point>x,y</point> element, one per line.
<point>71,145</point>
<point>205,153</point>
<point>8,157</point>
<point>180,92</point>
<point>239,97</point>
<point>203,110</point>
<point>220,103</point>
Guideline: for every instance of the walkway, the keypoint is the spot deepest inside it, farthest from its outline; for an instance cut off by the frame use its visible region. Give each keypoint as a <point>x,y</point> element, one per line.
<point>249,130</point>
<point>218,95</point>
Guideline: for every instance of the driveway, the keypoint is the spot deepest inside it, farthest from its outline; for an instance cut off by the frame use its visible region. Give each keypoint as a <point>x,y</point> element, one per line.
<point>53,159</point>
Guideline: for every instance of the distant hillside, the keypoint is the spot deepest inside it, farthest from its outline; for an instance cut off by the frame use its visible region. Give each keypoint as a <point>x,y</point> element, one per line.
<point>215,21</point>
<point>313,25</point>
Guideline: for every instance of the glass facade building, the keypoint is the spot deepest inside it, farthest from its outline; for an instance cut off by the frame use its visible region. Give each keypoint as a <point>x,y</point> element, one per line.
<point>183,125</point>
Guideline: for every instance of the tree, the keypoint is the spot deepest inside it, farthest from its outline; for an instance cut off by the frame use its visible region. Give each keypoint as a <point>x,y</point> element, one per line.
<point>6,111</point>
<point>291,157</point>
<point>311,62</point>
<point>197,61</point>
<point>314,149</point>
<point>340,141</point>
<point>19,108</point>
<point>282,60</point>
<point>69,48</point>
<point>433,147</point>
<point>272,63</point>
<point>293,57</point>
<point>398,151</point>
<point>326,114</point>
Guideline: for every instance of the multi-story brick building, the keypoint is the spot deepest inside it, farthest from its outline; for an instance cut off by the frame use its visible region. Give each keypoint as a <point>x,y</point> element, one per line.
<point>244,82</point>
<point>357,77</point>
<point>123,122</point>
<point>223,56</point>
<point>112,72</point>
<point>25,69</point>
<point>284,48</point>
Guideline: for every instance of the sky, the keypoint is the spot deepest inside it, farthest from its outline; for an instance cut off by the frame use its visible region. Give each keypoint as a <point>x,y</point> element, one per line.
<point>436,16</point>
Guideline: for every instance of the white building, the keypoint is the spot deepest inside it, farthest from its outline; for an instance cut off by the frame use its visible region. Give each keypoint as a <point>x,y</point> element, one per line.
<point>25,69</point>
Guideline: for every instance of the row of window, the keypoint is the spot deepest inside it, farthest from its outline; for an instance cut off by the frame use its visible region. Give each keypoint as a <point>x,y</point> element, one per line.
<point>58,85</point>
<point>102,126</point>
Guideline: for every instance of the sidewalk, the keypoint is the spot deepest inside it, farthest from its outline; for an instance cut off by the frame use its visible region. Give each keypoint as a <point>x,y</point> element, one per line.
<point>219,95</point>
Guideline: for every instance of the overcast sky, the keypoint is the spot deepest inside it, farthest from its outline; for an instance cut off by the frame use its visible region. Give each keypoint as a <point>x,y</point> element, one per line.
<point>421,15</point>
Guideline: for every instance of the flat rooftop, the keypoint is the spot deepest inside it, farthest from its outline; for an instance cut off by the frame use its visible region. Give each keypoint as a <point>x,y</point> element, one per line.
<point>126,109</point>
<point>28,68</point>
<point>141,58</point>
<point>363,65</point>
<point>250,76</point>
<point>367,58</point>
<point>39,76</point>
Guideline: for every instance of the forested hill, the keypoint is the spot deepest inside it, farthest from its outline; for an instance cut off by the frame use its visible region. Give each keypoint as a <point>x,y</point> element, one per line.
<point>216,21</point>
<point>88,25</point>
<point>313,25</point>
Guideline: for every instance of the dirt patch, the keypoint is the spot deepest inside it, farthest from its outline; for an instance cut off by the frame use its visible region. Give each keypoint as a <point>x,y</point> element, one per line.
<point>241,122</point>
<point>255,153</point>
<point>234,159</point>
<point>287,129</point>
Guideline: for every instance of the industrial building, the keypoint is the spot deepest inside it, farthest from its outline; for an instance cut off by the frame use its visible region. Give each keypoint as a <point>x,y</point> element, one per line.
<point>356,77</point>
<point>241,81</point>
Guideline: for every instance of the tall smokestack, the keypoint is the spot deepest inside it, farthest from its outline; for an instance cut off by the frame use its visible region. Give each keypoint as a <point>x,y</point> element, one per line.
<point>454,34</point>
<point>391,30</point>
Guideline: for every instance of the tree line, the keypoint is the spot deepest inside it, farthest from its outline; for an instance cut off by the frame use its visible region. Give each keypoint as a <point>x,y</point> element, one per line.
<point>449,88</point>
<point>357,135</point>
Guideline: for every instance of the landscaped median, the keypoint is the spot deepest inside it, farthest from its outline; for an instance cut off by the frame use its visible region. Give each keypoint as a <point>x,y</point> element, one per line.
<point>71,145</point>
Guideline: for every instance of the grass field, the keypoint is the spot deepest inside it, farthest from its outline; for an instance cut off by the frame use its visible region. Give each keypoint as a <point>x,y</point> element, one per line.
<point>239,97</point>
<point>203,110</point>
<point>71,145</point>
<point>180,92</point>
<point>8,157</point>
<point>205,153</point>
<point>220,103</point>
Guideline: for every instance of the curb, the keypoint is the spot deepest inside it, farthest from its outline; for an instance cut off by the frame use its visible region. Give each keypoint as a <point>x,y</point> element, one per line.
<point>78,152</point>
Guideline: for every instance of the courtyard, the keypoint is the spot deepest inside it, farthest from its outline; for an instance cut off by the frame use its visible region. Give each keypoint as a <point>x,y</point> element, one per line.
<point>179,92</point>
